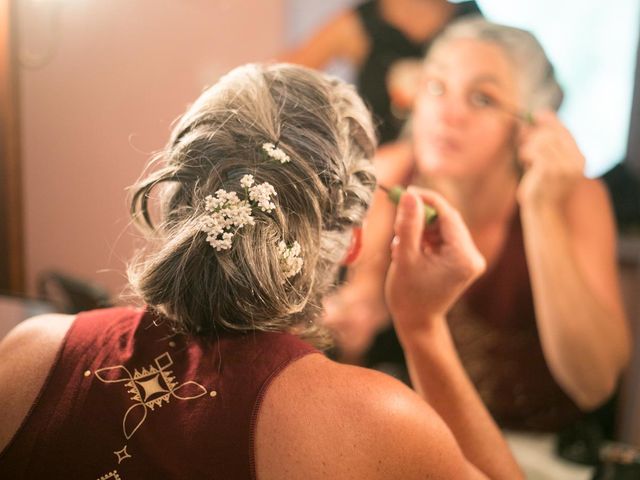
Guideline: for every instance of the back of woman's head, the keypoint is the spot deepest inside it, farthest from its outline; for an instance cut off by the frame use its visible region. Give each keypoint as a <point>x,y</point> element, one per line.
<point>538,85</point>
<point>322,127</point>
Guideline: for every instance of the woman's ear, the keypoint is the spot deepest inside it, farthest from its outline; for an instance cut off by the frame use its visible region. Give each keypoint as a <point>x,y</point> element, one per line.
<point>355,247</point>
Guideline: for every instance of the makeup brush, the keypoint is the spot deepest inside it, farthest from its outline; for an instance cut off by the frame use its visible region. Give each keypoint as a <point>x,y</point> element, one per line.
<point>525,116</point>
<point>394,194</point>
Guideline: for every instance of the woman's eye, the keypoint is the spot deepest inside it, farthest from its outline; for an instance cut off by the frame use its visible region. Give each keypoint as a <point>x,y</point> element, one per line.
<point>479,99</point>
<point>434,88</point>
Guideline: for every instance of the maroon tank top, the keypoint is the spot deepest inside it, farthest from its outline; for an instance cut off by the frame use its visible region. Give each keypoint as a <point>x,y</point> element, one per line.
<point>495,331</point>
<point>127,398</point>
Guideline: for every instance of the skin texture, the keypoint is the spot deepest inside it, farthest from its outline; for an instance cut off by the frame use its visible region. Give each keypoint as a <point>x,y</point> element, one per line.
<point>31,347</point>
<point>469,146</point>
<point>321,419</point>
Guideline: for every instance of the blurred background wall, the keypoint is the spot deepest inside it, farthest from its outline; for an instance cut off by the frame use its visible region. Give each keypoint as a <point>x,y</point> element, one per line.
<point>100,84</point>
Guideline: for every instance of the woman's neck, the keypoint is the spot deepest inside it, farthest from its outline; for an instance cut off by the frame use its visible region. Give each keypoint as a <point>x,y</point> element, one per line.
<point>484,199</point>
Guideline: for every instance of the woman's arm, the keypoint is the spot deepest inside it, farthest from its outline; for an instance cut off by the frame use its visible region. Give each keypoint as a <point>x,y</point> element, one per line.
<point>570,244</point>
<point>343,37</point>
<point>429,271</point>
<point>322,420</point>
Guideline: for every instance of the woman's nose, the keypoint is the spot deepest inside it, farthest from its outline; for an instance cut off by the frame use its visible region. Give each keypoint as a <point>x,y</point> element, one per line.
<point>452,111</point>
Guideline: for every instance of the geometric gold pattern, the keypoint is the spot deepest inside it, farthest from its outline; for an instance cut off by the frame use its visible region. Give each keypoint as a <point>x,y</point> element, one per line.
<point>113,474</point>
<point>122,454</point>
<point>149,388</point>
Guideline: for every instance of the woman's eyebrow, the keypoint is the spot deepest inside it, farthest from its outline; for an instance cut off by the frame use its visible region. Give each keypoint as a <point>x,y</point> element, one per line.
<point>488,79</point>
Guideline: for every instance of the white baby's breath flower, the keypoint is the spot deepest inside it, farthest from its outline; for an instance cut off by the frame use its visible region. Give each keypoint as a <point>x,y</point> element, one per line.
<point>275,152</point>
<point>222,198</point>
<point>247,181</point>
<point>226,215</point>
<point>290,258</point>
<point>261,194</point>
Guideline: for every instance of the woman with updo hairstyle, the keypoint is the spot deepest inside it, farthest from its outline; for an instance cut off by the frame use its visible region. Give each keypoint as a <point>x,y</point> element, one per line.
<point>542,333</point>
<point>329,184</point>
<point>249,211</point>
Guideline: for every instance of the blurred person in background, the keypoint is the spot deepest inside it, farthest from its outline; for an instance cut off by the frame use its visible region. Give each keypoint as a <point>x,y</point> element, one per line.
<point>373,37</point>
<point>542,333</point>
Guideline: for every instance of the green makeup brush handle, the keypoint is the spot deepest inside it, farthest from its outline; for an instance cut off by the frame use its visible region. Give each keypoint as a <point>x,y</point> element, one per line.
<point>430,214</point>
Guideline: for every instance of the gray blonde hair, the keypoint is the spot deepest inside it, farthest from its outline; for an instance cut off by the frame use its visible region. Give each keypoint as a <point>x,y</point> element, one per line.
<point>322,193</point>
<point>539,87</point>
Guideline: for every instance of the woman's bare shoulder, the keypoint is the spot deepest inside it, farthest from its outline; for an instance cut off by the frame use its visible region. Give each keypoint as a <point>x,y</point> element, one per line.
<point>38,333</point>
<point>329,420</point>
<point>27,354</point>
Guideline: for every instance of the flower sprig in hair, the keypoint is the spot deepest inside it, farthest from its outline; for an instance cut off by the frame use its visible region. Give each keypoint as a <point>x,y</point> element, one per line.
<point>290,258</point>
<point>259,194</point>
<point>227,213</point>
<point>276,153</point>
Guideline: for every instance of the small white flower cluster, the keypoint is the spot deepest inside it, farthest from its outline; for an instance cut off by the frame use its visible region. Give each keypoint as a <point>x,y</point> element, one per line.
<point>227,214</point>
<point>290,259</point>
<point>275,152</point>
<point>246,181</point>
<point>261,194</point>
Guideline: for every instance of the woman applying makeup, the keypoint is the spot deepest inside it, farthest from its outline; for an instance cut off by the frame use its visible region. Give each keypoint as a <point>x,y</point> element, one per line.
<point>542,333</point>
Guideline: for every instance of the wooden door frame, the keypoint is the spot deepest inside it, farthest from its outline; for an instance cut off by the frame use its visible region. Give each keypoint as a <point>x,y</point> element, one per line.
<point>12,271</point>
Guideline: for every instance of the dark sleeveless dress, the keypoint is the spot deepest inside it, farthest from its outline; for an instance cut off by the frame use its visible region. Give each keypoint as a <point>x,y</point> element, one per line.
<point>128,399</point>
<point>388,45</point>
<point>495,332</point>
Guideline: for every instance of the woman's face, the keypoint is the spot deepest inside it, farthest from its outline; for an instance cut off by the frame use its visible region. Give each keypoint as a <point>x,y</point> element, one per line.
<point>462,125</point>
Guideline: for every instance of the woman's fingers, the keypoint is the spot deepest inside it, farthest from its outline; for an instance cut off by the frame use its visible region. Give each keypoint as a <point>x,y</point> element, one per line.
<point>551,159</point>
<point>448,240</point>
<point>409,227</point>
<point>451,227</point>
<point>425,276</point>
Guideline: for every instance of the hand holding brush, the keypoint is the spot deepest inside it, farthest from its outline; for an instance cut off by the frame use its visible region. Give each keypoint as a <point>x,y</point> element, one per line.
<point>394,194</point>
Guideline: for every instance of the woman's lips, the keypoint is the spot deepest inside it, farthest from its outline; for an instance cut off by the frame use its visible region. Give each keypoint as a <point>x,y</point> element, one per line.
<point>446,143</point>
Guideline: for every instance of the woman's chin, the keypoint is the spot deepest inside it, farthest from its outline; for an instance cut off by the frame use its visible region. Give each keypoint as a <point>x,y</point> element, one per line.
<point>442,165</point>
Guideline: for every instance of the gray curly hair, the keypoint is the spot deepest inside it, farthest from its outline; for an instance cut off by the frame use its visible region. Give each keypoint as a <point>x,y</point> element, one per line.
<point>323,192</point>
<point>539,87</point>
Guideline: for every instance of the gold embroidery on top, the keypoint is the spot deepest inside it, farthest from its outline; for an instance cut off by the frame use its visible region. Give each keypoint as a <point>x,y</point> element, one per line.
<point>113,475</point>
<point>122,454</point>
<point>149,388</point>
